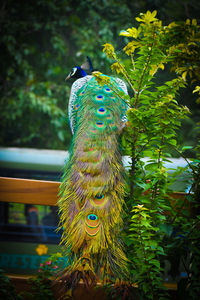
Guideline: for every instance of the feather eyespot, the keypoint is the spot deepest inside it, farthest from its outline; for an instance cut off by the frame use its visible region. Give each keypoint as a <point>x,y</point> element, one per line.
<point>76,107</point>
<point>99,196</point>
<point>108,90</point>
<point>92,217</point>
<point>100,124</point>
<point>99,200</point>
<point>92,224</point>
<point>101,111</point>
<point>99,97</point>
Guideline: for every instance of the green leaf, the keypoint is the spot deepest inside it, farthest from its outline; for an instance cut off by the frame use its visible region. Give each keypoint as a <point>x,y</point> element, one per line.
<point>151,167</point>
<point>166,228</point>
<point>186,148</point>
<point>172,142</point>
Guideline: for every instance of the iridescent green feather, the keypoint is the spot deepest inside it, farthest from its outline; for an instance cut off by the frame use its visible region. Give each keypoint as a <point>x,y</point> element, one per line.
<point>92,191</point>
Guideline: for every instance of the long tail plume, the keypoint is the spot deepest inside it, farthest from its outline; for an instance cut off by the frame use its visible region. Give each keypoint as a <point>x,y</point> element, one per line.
<point>92,191</point>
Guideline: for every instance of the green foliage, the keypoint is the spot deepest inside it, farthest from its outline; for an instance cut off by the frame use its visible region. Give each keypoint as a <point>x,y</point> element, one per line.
<point>160,226</point>
<point>7,290</point>
<point>41,285</point>
<point>33,93</point>
<point>145,250</point>
<point>184,38</point>
<point>42,40</point>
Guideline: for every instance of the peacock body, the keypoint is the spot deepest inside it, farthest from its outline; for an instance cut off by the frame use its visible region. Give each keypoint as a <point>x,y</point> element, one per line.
<point>92,191</point>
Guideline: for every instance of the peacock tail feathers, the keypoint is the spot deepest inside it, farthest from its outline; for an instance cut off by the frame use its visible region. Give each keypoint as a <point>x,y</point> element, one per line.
<point>92,192</point>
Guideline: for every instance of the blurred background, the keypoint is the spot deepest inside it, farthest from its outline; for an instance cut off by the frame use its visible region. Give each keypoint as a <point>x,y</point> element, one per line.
<point>42,40</point>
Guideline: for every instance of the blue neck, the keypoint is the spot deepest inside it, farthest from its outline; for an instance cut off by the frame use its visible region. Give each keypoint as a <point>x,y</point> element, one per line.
<point>80,73</point>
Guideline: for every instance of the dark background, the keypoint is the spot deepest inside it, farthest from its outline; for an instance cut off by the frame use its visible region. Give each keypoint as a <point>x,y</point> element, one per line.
<point>41,41</point>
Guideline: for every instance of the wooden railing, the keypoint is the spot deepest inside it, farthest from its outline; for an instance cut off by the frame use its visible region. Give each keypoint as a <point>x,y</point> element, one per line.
<point>28,191</point>
<point>41,192</point>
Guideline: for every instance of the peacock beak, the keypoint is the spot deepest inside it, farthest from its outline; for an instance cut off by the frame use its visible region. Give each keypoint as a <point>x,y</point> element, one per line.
<point>68,77</point>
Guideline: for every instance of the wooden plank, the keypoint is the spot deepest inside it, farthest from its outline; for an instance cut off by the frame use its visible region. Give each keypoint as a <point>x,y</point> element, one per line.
<point>28,191</point>
<point>21,284</point>
<point>178,195</point>
<point>38,191</point>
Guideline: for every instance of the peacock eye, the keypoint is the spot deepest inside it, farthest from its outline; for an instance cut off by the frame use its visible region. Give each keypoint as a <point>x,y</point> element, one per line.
<point>73,71</point>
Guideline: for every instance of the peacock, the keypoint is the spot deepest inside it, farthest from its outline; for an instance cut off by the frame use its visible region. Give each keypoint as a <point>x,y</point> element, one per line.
<point>93,186</point>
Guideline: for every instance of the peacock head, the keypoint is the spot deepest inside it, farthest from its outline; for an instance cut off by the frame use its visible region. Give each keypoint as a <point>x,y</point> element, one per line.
<point>79,72</point>
<point>76,72</point>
